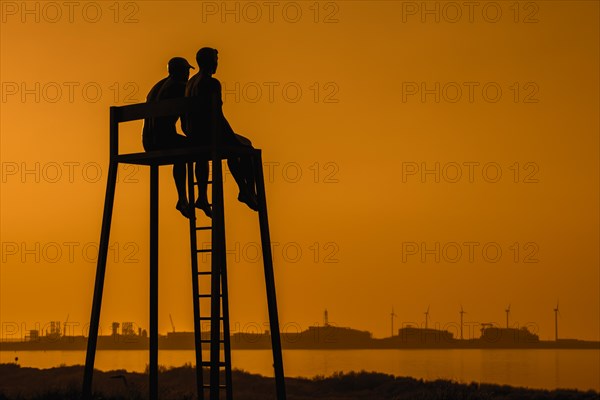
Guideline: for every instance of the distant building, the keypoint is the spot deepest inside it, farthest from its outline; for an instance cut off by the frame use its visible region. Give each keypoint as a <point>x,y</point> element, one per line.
<point>508,336</point>
<point>54,329</point>
<point>411,335</point>
<point>127,329</point>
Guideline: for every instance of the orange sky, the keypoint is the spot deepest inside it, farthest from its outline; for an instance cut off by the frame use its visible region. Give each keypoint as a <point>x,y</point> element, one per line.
<point>343,129</point>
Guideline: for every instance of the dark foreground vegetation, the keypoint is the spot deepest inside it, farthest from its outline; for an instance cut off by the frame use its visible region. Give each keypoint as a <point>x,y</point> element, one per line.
<point>63,383</point>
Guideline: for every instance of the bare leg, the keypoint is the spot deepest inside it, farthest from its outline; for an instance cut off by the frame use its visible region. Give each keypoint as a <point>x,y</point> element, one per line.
<point>237,172</point>
<point>243,173</point>
<point>249,174</point>
<point>202,179</point>
<point>244,178</point>
<point>179,175</point>
<point>246,165</point>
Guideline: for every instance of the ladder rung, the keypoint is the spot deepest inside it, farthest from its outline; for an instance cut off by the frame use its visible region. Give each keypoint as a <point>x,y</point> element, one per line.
<point>209,318</point>
<point>204,273</point>
<point>203,228</point>
<point>207,295</point>
<point>204,251</point>
<point>208,363</point>
<point>220,386</point>
<point>209,341</point>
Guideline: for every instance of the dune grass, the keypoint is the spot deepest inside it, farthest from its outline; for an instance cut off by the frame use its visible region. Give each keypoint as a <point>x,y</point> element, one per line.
<point>64,383</point>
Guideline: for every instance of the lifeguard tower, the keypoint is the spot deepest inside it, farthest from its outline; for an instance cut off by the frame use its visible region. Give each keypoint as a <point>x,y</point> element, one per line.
<point>219,384</point>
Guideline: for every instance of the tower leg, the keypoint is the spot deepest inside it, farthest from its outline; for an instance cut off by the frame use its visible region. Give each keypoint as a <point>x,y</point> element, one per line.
<point>218,263</point>
<point>153,376</point>
<point>265,238</point>
<point>226,334</point>
<point>99,284</point>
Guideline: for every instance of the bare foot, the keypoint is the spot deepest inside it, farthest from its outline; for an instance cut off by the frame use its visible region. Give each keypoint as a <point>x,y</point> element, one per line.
<point>204,206</point>
<point>249,199</point>
<point>184,208</point>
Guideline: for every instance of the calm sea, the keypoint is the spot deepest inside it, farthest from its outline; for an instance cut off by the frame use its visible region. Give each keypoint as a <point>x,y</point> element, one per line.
<point>547,369</point>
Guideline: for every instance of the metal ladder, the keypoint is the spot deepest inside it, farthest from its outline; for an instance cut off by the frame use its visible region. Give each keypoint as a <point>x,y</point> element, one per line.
<point>214,278</point>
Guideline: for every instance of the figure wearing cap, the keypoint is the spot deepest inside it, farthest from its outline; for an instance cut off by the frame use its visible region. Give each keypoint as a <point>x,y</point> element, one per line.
<point>160,133</point>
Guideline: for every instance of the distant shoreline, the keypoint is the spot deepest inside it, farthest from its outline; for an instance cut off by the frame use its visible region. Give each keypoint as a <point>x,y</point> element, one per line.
<point>333,341</point>
<point>326,337</point>
<point>144,345</point>
<point>17,383</point>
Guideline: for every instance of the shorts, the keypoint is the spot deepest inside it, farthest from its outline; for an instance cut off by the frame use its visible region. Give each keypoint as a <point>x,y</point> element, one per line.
<point>167,143</point>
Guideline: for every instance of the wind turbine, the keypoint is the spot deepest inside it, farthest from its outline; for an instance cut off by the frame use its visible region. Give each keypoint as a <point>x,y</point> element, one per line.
<point>64,333</point>
<point>461,321</point>
<point>507,311</point>
<point>556,314</point>
<point>427,316</point>
<point>172,324</point>
<point>392,316</point>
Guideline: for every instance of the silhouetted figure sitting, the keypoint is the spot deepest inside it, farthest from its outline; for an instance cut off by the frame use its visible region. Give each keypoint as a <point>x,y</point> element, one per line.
<point>160,133</point>
<point>199,123</point>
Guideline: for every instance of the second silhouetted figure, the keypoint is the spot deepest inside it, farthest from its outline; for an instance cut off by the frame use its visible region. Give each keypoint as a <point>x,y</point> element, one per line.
<point>199,123</point>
